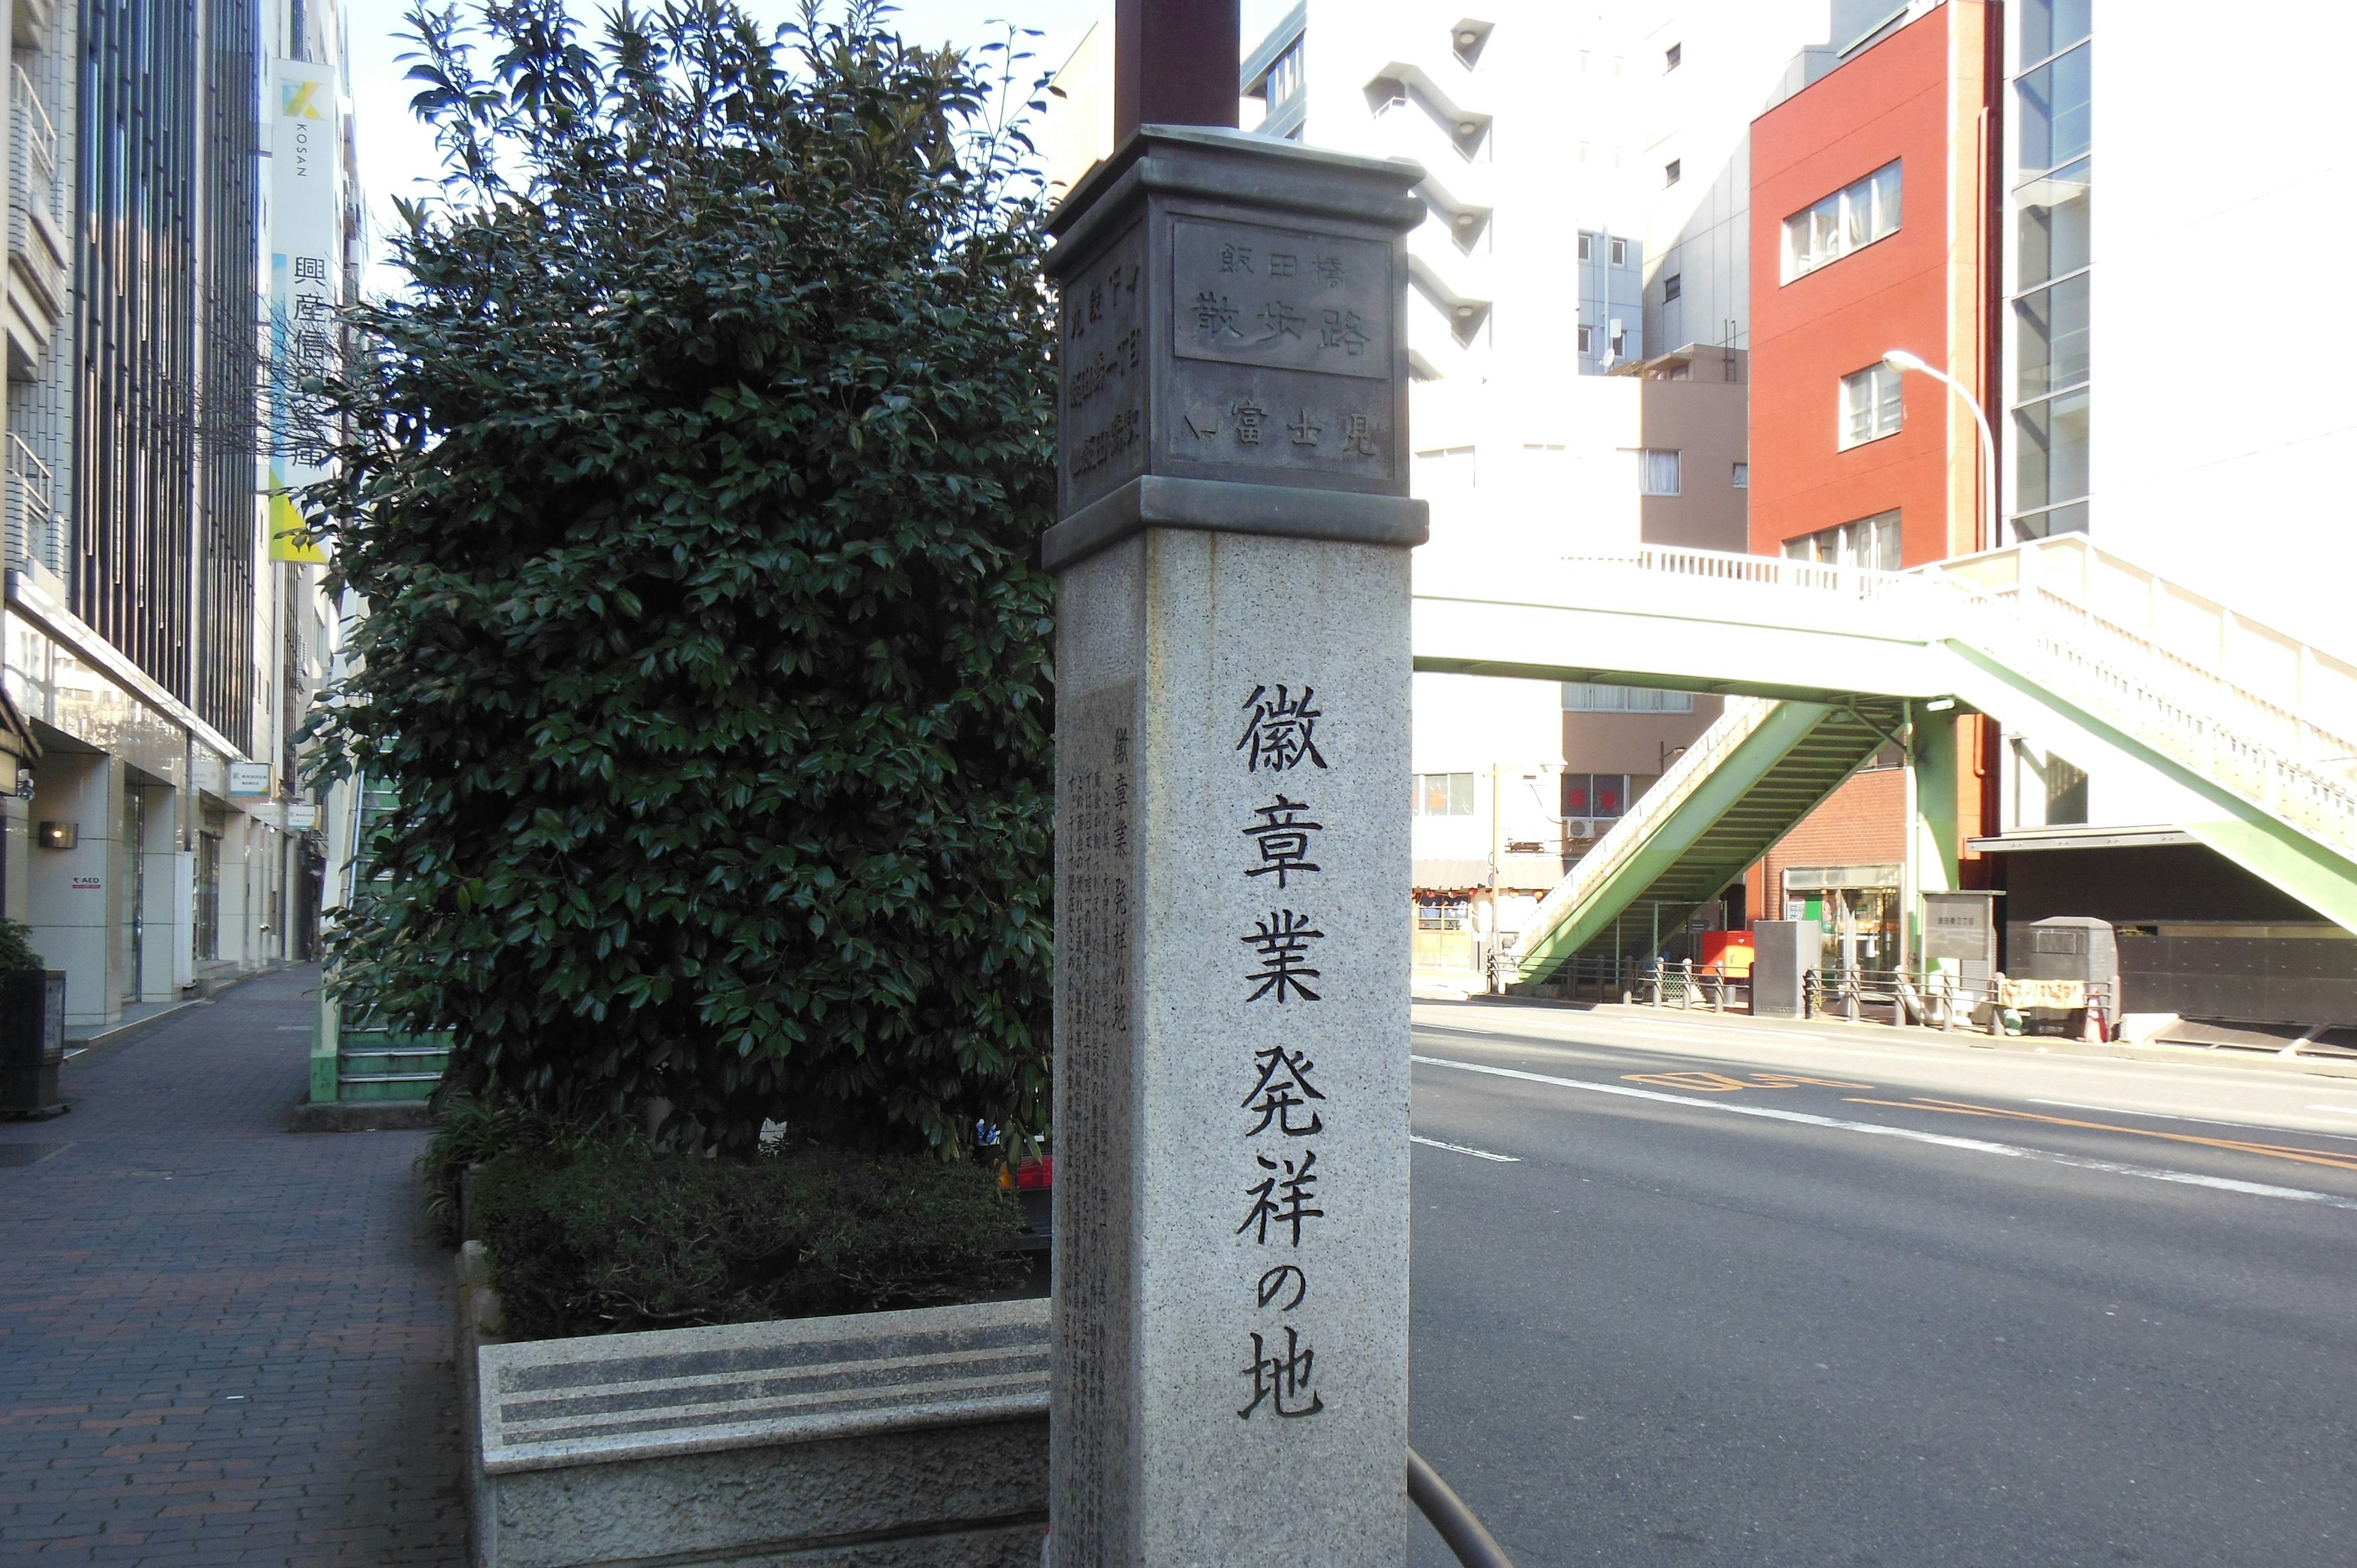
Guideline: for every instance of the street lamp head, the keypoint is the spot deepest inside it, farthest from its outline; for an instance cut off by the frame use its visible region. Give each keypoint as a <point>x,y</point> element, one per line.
<point>1900,360</point>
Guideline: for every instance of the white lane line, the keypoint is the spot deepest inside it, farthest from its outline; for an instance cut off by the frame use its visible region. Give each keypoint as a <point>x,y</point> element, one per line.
<point>1462,1149</point>
<point>1910,1135</point>
<point>2197,1121</point>
<point>2343,1110</point>
<point>1643,1028</point>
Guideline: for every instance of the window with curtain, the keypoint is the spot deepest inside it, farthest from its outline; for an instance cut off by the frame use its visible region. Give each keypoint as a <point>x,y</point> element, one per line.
<point>1872,406</point>
<point>1657,471</point>
<point>1442,794</point>
<point>1595,794</point>
<point>1870,541</point>
<point>1850,219</point>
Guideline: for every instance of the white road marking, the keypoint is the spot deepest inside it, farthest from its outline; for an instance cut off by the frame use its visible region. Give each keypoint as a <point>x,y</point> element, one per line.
<point>2197,1121</point>
<point>1462,1149</point>
<point>1643,1026</point>
<point>1910,1135</point>
<point>2342,1109</point>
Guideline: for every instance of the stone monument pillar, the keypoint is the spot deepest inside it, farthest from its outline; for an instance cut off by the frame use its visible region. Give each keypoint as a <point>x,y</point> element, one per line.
<point>1232,888</point>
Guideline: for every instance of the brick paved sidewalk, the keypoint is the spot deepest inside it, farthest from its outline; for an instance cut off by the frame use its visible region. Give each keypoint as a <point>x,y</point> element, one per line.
<point>220,1342</point>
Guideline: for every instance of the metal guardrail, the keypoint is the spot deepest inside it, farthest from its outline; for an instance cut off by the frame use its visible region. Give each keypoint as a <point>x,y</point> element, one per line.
<point>1475,1547</point>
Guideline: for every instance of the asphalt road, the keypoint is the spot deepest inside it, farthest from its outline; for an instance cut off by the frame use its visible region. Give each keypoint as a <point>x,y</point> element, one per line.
<point>1740,1294</point>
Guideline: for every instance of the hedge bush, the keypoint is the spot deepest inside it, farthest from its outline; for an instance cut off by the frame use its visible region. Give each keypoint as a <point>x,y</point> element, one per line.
<point>693,483</point>
<point>622,1239</point>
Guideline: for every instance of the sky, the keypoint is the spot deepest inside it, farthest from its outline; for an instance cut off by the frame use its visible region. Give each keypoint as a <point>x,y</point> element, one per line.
<point>396,152</point>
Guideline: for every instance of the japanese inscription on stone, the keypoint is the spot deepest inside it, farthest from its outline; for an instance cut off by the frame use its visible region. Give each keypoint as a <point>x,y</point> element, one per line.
<point>1248,294</point>
<point>1283,1110</point>
<point>1105,371</point>
<point>1283,342</point>
<point>1097,939</point>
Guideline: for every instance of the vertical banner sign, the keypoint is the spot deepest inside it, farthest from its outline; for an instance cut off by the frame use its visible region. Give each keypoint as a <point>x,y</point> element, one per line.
<point>305,246</point>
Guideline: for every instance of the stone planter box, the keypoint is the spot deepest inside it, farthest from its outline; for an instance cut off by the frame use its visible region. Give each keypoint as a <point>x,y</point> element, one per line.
<point>876,1441</point>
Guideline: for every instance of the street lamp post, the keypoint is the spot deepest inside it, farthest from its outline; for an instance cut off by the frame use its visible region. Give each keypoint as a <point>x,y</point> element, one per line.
<point>1900,360</point>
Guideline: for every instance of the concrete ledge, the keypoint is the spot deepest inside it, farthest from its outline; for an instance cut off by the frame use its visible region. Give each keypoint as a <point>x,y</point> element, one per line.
<point>892,1438</point>
<point>308,1115</point>
<point>1228,506</point>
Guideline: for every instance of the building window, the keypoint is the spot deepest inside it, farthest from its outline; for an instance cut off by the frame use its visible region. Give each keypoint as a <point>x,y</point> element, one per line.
<point>1584,697</point>
<point>1870,541</point>
<point>1444,794</point>
<point>208,896</point>
<point>1671,55</point>
<point>1442,914</point>
<point>1670,171</point>
<point>1672,287</point>
<point>2050,477</point>
<point>1619,341</point>
<point>1620,252</point>
<point>2049,335</point>
<point>1657,467</point>
<point>1743,476</point>
<point>1850,219</point>
<point>2055,114</point>
<point>2051,232</point>
<point>1871,405</point>
<point>1583,341</point>
<point>1583,247</point>
<point>1595,794</point>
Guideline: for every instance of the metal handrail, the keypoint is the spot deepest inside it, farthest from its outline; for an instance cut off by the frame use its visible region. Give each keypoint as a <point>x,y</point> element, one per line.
<point>1627,835</point>
<point>1475,1547</point>
<point>41,131</point>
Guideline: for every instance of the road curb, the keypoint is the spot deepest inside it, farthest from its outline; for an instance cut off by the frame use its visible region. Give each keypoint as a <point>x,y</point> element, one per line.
<point>1841,1031</point>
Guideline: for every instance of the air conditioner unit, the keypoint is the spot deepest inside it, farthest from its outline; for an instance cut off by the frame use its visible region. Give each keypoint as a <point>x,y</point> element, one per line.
<point>1580,827</point>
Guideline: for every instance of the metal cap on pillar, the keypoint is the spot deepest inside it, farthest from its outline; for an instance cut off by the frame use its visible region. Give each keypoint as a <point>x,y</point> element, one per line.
<point>1232,880</point>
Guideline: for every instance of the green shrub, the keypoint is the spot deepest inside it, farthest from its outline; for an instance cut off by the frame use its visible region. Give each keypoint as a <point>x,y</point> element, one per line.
<point>15,947</point>
<point>471,1131</point>
<point>693,484</point>
<point>616,1239</point>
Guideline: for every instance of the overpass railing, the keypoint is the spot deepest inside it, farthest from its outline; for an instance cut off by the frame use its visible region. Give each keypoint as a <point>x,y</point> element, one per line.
<point>2288,763</point>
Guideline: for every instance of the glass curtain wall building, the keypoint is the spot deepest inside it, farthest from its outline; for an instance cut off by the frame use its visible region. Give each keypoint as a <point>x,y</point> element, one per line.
<point>2048,263</point>
<point>162,559</point>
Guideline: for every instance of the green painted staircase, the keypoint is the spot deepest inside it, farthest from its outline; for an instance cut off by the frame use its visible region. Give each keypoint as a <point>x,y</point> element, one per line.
<point>1751,780</point>
<point>377,1064</point>
<point>354,1062</point>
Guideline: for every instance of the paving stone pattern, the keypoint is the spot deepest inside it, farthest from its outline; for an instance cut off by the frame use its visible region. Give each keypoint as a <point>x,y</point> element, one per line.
<point>220,1342</point>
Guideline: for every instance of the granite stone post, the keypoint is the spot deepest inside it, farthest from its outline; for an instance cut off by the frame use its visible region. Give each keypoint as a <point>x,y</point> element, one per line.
<point>1232,875</point>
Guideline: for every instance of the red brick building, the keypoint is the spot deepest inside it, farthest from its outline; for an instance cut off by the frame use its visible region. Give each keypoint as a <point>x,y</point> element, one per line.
<point>1872,229</point>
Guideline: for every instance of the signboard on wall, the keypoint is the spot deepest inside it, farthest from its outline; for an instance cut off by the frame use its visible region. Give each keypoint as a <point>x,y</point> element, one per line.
<point>304,278</point>
<point>302,816</point>
<point>249,779</point>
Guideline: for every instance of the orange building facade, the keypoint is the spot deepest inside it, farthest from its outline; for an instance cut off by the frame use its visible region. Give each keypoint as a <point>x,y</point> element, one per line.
<point>1873,213</point>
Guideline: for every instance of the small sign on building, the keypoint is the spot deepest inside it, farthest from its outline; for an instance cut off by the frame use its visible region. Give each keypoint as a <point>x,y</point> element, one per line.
<point>301,816</point>
<point>249,779</point>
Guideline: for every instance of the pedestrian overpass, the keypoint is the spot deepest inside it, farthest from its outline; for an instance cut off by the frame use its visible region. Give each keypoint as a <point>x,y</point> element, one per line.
<point>2238,735</point>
